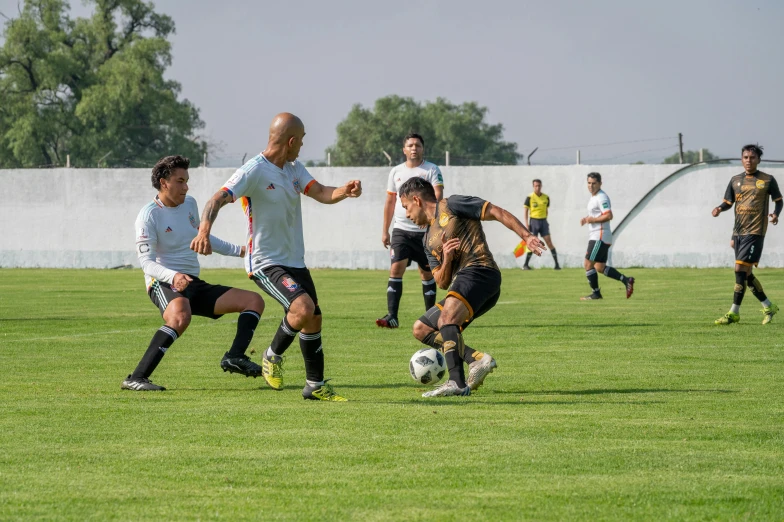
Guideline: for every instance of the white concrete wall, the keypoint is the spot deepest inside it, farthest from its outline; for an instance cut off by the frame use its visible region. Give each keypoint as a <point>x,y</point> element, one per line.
<point>84,218</point>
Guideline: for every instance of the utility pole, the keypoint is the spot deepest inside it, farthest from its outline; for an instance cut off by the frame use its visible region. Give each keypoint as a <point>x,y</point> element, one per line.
<point>447,159</point>
<point>680,146</point>
<point>389,158</point>
<point>578,156</point>
<point>532,153</point>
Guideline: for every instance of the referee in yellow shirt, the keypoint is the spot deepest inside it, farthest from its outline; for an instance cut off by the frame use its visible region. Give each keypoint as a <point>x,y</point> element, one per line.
<point>537,205</point>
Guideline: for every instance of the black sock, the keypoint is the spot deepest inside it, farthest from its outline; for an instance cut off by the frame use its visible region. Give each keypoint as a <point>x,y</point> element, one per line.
<point>453,353</point>
<point>756,288</point>
<point>434,340</point>
<point>310,344</point>
<point>160,342</point>
<point>528,258</point>
<point>593,280</point>
<point>614,274</point>
<point>429,293</point>
<point>740,288</point>
<point>283,337</point>
<point>555,257</point>
<point>246,325</point>
<point>394,293</point>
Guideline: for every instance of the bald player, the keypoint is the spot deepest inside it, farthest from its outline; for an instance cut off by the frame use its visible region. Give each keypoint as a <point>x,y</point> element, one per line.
<point>269,187</point>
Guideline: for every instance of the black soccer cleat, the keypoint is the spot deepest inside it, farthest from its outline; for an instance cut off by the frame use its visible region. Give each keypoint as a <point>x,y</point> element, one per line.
<point>242,365</point>
<point>592,297</point>
<point>140,384</point>
<point>388,321</point>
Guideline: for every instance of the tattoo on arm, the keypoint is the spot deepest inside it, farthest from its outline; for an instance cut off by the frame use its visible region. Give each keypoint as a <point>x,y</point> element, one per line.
<point>214,205</point>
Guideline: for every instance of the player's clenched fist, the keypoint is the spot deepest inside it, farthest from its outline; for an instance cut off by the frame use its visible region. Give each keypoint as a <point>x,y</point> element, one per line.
<point>353,188</point>
<point>201,245</point>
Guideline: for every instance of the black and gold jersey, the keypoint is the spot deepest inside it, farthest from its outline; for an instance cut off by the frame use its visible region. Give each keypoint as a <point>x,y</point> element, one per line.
<point>460,217</point>
<point>751,196</point>
<point>537,205</point>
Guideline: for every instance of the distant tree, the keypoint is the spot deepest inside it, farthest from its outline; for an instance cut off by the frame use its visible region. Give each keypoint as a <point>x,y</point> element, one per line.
<point>691,156</point>
<point>312,163</point>
<point>367,136</point>
<point>91,87</point>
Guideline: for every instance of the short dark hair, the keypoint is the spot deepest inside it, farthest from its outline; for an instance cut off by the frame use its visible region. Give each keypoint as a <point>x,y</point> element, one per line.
<point>536,181</point>
<point>165,166</point>
<point>417,186</point>
<point>753,147</point>
<point>414,135</point>
<point>596,176</point>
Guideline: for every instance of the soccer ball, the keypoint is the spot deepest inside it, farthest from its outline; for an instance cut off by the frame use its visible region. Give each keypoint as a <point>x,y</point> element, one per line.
<point>427,366</point>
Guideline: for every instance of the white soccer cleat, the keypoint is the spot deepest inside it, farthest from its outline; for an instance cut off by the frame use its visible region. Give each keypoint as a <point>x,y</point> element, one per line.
<point>480,369</point>
<point>448,389</point>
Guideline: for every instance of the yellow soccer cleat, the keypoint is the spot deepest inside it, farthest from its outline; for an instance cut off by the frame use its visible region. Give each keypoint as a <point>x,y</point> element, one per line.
<point>322,392</point>
<point>272,370</point>
<point>769,312</point>
<point>728,318</point>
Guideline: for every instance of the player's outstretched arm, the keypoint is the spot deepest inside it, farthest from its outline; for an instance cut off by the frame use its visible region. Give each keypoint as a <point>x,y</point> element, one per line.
<point>496,213</point>
<point>331,195</point>
<point>201,243</point>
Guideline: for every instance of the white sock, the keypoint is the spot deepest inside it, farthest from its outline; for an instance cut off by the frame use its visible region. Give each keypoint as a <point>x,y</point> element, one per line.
<point>269,353</point>
<point>735,309</point>
<point>315,384</point>
<point>766,303</point>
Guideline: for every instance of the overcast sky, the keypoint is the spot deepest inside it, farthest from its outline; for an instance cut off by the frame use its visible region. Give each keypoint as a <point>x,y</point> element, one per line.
<point>554,73</point>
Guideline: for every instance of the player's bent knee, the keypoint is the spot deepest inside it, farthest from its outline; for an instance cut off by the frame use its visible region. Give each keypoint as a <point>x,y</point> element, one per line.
<point>421,330</point>
<point>179,321</point>
<point>255,303</point>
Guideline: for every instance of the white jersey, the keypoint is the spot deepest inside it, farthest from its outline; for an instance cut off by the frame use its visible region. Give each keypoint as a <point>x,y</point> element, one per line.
<point>598,205</point>
<point>163,240</point>
<point>271,201</point>
<point>399,175</point>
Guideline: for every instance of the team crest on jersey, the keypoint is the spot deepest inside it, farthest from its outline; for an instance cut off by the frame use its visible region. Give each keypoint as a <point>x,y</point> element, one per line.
<point>296,185</point>
<point>605,205</point>
<point>290,284</point>
<point>443,219</point>
<point>760,184</point>
<point>192,219</point>
<point>143,233</point>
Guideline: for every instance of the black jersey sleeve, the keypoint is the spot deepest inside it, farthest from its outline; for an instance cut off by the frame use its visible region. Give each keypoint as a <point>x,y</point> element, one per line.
<point>432,260</point>
<point>774,190</point>
<point>527,203</point>
<point>466,206</point>
<point>729,194</point>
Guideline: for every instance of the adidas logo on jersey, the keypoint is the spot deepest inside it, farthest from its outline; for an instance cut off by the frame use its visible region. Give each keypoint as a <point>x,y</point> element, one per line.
<point>168,229</point>
<point>271,187</point>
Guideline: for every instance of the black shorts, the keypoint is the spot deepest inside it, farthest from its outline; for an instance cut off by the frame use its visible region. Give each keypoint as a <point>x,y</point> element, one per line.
<point>477,287</point>
<point>201,295</point>
<point>539,227</point>
<point>597,251</point>
<point>408,245</point>
<point>748,249</point>
<point>284,284</point>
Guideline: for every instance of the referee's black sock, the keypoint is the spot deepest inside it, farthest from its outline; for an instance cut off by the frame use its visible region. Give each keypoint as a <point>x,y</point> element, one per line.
<point>593,280</point>
<point>429,293</point>
<point>614,274</point>
<point>312,352</point>
<point>740,289</point>
<point>434,340</point>
<point>284,336</point>
<point>453,353</point>
<point>394,293</point>
<point>555,258</point>
<point>160,342</point>
<point>528,258</point>
<point>756,289</point>
<point>246,325</point>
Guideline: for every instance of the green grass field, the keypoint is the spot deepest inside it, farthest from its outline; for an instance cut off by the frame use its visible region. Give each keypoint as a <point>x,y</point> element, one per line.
<point>634,409</point>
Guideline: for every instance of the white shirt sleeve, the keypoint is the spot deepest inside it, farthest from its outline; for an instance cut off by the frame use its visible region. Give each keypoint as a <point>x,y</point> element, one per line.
<point>239,184</point>
<point>391,188</point>
<point>434,177</point>
<point>146,242</point>
<point>302,183</point>
<point>224,248</point>
<point>603,201</point>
